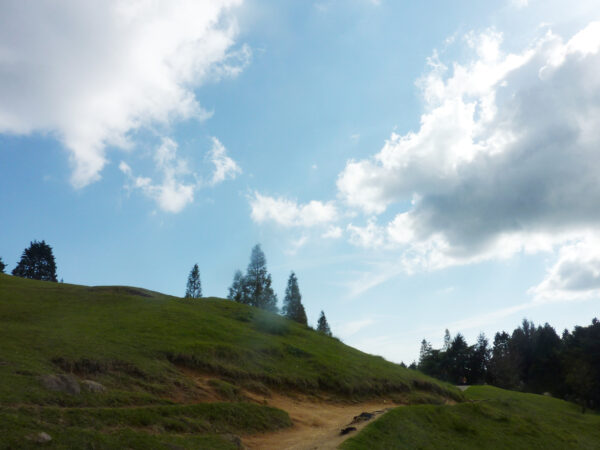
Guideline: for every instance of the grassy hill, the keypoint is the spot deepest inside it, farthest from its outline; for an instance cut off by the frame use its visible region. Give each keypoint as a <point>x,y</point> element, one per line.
<point>147,351</point>
<point>493,418</point>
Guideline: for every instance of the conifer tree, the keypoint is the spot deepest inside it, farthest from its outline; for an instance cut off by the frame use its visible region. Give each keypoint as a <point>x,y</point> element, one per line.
<point>424,352</point>
<point>447,340</point>
<point>292,302</point>
<point>194,287</point>
<point>2,266</point>
<point>322,325</point>
<point>237,290</point>
<point>258,282</point>
<point>37,262</point>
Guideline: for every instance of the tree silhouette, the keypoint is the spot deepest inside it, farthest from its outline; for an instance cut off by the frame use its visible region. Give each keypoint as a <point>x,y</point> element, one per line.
<point>194,287</point>
<point>292,302</point>
<point>237,290</point>
<point>37,262</point>
<point>322,325</point>
<point>2,266</point>
<point>258,282</point>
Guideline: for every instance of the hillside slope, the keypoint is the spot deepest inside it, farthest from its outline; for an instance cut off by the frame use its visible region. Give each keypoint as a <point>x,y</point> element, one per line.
<point>491,418</point>
<point>173,370</point>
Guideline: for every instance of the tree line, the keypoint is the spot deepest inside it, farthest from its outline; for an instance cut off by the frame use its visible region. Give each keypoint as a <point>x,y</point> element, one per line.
<point>531,359</point>
<point>254,288</point>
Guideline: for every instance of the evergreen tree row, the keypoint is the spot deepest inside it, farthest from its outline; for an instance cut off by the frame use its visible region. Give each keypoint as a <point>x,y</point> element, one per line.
<point>531,359</point>
<point>254,289</point>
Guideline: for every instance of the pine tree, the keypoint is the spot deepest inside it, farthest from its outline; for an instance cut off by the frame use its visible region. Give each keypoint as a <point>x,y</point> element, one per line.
<point>447,340</point>
<point>194,287</point>
<point>258,282</point>
<point>37,262</point>
<point>292,302</point>
<point>322,325</point>
<point>237,290</point>
<point>2,266</point>
<point>424,352</point>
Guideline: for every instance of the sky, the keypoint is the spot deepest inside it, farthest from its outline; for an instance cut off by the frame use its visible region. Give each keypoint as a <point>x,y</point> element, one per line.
<point>420,166</point>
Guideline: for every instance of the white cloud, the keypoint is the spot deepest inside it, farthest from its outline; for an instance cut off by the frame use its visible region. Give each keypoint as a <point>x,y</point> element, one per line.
<point>506,158</point>
<point>333,232</point>
<point>225,167</point>
<point>92,73</point>
<point>519,3</point>
<point>296,245</point>
<point>574,276</point>
<point>369,236</point>
<point>173,193</point>
<point>347,329</point>
<point>288,213</point>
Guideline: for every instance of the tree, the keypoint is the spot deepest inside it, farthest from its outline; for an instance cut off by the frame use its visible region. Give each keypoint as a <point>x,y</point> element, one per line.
<point>292,302</point>
<point>37,262</point>
<point>258,282</point>
<point>2,266</point>
<point>322,325</point>
<point>424,352</point>
<point>447,340</point>
<point>237,290</point>
<point>194,287</point>
<point>479,359</point>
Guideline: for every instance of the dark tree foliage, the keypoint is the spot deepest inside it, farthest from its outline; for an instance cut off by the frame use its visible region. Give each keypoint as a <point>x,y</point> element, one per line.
<point>292,302</point>
<point>532,359</point>
<point>2,266</point>
<point>194,287</point>
<point>322,325</point>
<point>237,290</point>
<point>37,262</point>
<point>254,288</point>
<point>258,282</point>
<point>478,360</point>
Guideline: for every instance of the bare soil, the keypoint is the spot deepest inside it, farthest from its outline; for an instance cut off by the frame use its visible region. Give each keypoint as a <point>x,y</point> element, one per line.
<point>317,424</point>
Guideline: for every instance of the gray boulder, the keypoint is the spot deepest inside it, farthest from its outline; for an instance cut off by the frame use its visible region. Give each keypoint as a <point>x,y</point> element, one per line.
<point>92,386</point>
<point>40,438</point>
<point>61,383</point>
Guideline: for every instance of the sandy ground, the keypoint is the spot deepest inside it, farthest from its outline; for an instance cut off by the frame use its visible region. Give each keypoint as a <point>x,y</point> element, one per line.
<point>317,425</point>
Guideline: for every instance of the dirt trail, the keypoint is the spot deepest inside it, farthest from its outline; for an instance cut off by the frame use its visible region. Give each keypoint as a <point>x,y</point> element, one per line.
<point>317,425</point>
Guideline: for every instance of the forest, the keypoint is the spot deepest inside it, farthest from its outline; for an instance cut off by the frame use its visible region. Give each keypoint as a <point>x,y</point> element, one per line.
<point>530,359</point>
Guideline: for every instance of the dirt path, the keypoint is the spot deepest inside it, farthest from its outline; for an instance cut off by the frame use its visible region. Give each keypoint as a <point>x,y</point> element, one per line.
<point>316,425</point>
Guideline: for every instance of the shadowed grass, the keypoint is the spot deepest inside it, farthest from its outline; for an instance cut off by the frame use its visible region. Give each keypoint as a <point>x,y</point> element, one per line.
<point>134,341</point>
<point>495,418</point>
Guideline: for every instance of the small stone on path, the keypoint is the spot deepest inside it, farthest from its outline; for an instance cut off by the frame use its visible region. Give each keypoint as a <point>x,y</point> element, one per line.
<point>347,430</point>
<point>40,438</point>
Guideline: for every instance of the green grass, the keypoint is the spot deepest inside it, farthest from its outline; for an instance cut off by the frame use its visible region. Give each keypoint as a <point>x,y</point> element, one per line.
<point>141,346</point>
<point>494,418</point>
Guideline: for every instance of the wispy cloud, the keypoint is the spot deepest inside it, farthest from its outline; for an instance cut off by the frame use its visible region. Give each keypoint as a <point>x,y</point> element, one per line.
<point>172,193</point>
<point>225,167</point>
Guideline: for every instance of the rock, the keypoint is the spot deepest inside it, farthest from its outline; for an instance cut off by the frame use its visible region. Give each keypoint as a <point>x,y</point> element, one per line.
<point>92,386</point>
<point>347,430</point>
<point>40,438</point>
<point>362,417</point>
<point>61,383</point>
<point>235,440</point>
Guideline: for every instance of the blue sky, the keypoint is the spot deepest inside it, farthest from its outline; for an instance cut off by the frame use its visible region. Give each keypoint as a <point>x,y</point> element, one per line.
<point>419,165</point>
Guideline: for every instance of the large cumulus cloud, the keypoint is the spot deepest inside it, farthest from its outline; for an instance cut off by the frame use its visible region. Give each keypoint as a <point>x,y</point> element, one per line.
<point>92,72</point>
<point>506,159</point>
